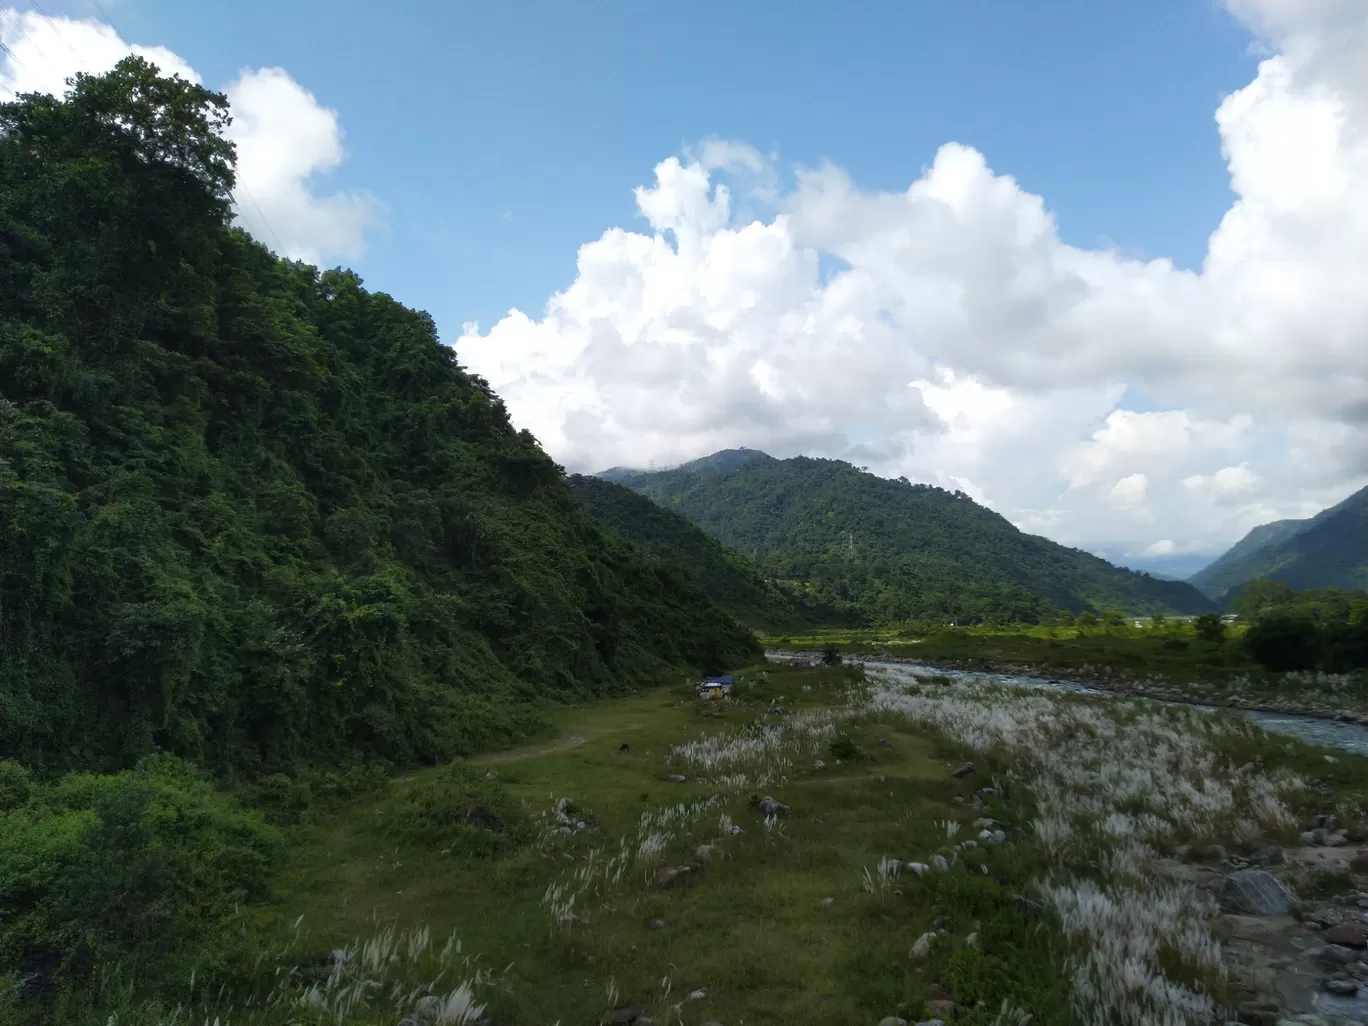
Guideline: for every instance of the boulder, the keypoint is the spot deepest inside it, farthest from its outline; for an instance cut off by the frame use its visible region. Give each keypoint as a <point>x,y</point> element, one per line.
<point>1255,892</point>
<point>1359,863</point>
<point>1342,987</point>
<point>676,778</point>
<point>963,771</point>
<point>1351,935</point>
<point>772,807</point>
<point>1330,957</point>
<point>892,1020</point>
<point>672,876</point>
<point>940,862</point>
<point>627,1015</point>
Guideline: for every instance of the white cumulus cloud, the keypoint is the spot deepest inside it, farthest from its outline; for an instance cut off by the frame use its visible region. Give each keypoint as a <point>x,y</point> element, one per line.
<point>284,136</point>
<point>946,332</point>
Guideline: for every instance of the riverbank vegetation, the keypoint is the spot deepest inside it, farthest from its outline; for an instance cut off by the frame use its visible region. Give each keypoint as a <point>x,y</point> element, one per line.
<point>928,848</point>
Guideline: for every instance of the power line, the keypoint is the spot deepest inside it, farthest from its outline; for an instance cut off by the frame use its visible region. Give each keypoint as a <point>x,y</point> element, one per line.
<point>55,30</point>
<point>13,18</point>
<point>110,22</point>
<point>12,55</point>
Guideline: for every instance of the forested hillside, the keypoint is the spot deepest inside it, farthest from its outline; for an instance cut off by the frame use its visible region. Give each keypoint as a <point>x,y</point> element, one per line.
<point>892,550</point>
<point>724,575</point>
<point>1329,550</point>
<point>256,515</point>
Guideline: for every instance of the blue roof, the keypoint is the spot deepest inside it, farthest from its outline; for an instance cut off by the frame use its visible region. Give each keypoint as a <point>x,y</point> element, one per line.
<point>717,680</point>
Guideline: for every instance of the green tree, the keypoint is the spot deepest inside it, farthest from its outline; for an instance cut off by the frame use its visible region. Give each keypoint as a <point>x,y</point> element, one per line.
<point>1210,627</point>
<point>1086,619</point>
<point>1158,620</point>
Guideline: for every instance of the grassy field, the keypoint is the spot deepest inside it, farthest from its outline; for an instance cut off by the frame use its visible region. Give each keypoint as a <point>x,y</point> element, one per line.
<point>459,887</point>
<point>776,927</point>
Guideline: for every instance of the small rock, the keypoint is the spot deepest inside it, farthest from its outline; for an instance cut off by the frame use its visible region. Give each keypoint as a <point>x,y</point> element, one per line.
<point>703,853</point>
<point>1307,839</point>
<point>670,876</point>
<point>958,799</point>
<point>819,765</point>
<point>1031,908</point>
<point>893,867</point>
<point>971,941</point>
<point>656,924</point>
<point>1325,917</point>
<point>624,747</point>
<point>968,844</point>
<point>940,863</point>
<point>676,778</point>
<point>1336,840</point>
<point>1330,957</point>
<point>413,1020</point>
<point>1271,855</point>
<point>1344,988</point>
<point>923,945</point>
<point>1255,891</point>
<point>1351,935</point>
<point>627,1015</point>
<point>712,1022</point>
<point>916,867</point>
<point>987,824</point>
<point>780,710</point>
<point>986,836</point>
<point>734,831</point>
<point>1219,853</point>
<point>999,837</point>
<point>428,1007</point>
<point>828,902</point>
<point>887,744</point>
<point>963,771</point>
<point>892,1020</point>
<point>698,995</point>
<point>1319,835</point>
<point>772,807</point>
<point>941,1008</point>
<point>931,1022</point>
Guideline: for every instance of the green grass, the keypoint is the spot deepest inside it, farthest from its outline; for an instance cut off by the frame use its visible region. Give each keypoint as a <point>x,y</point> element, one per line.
<point>754,930</point>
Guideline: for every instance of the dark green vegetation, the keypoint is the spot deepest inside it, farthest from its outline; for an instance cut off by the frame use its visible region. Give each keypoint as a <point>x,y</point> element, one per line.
<point>255,515</point>
<point>723,574</point>
<point>889,551</point>
<point>1317,629</point>
<point>1328,550</point>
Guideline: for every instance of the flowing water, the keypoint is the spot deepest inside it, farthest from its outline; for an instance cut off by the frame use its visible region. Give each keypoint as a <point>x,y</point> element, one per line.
<point>1349,737</point>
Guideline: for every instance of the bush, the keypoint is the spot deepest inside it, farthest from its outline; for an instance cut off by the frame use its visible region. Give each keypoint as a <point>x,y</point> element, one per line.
<point>1345,647</point>
<point>831,655</point>
<point>1175,644</point>
<point>843,748</point>
<point>1210,627</point>
<point>1284,643</point>
<point>141,867</point>
<point>465,811</point>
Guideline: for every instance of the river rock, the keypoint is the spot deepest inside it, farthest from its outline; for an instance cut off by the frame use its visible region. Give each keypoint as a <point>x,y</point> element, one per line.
<point>941,1007</point>
<point>627,1015</point>
<point>1330,957</point>
<point>892,1020</point>
<point>1359,863</point>
<point>940,862</point>
<point>819,765</point>
<point>676,778</point>
<point>963,771</point>
<point>672,876</point>
<point>772,807</point>
<point>1344,988</point>
<point>1255,891</point>
<point>703,853</point>
<point>1351,935</point>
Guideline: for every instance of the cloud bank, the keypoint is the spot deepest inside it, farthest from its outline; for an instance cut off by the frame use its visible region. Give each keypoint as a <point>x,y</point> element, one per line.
<point>284,136</point>
<point>946,333</point>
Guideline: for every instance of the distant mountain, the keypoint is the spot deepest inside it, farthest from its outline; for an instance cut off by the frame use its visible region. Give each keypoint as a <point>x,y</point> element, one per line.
<point>1328,550</point>
<point>727,459</point>
<point>1165,568</point>
<point>892,550</point>
<point>725,576</point>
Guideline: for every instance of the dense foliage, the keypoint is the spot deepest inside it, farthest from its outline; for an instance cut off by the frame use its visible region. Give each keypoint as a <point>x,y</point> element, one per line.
<point>723,574</point>
<point>1328,550</point>
<point>140,870</point>
<point>1316,629</point>
<point>891,550</point>
<point>256,515</point>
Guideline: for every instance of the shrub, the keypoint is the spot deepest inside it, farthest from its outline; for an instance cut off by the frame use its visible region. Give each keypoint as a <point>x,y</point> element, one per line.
<point>462,809</point>
<point>1210,627</point>
<point>141,867</point>
<point>1345,647</point>
<point>843,748</point>
<point>831,655</point>
<point>1175,644</point>
<point>1284,643</point>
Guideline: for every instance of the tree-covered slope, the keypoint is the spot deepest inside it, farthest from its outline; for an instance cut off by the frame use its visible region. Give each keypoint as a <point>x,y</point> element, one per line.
<point>254,514</point>
<point>724,575</point>
<point>1330,550</point>
<point>894,550</point>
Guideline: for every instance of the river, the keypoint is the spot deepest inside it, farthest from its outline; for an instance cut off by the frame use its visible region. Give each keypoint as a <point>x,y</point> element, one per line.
<point>1349,737</point>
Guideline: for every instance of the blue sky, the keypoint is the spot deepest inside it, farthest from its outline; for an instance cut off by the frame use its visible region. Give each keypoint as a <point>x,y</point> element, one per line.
<point>501,136</point>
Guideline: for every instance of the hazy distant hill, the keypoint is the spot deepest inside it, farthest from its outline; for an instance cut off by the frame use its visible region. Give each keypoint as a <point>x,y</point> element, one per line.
<point>1329,549</point>
<point>725,576</point>
<point>892,549</point>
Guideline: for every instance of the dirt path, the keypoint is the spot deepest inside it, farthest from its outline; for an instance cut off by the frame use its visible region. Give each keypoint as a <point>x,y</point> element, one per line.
<point>563,744</point>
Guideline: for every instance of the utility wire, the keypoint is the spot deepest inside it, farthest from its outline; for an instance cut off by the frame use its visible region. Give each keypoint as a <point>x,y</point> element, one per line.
<point>53,25</point>
<point>13,18</point>
<point>12,55</point>
<point>110,23</point>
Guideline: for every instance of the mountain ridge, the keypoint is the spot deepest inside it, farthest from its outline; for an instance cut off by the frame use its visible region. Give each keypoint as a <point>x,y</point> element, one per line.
<point>907,550</point>
<point>1329,549</point>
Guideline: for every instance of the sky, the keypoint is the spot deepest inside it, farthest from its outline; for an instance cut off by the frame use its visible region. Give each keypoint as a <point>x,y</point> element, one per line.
<point>1100,266</point>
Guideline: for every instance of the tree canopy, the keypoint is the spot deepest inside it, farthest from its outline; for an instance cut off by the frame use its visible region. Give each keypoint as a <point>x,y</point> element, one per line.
<point>253,514</point>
